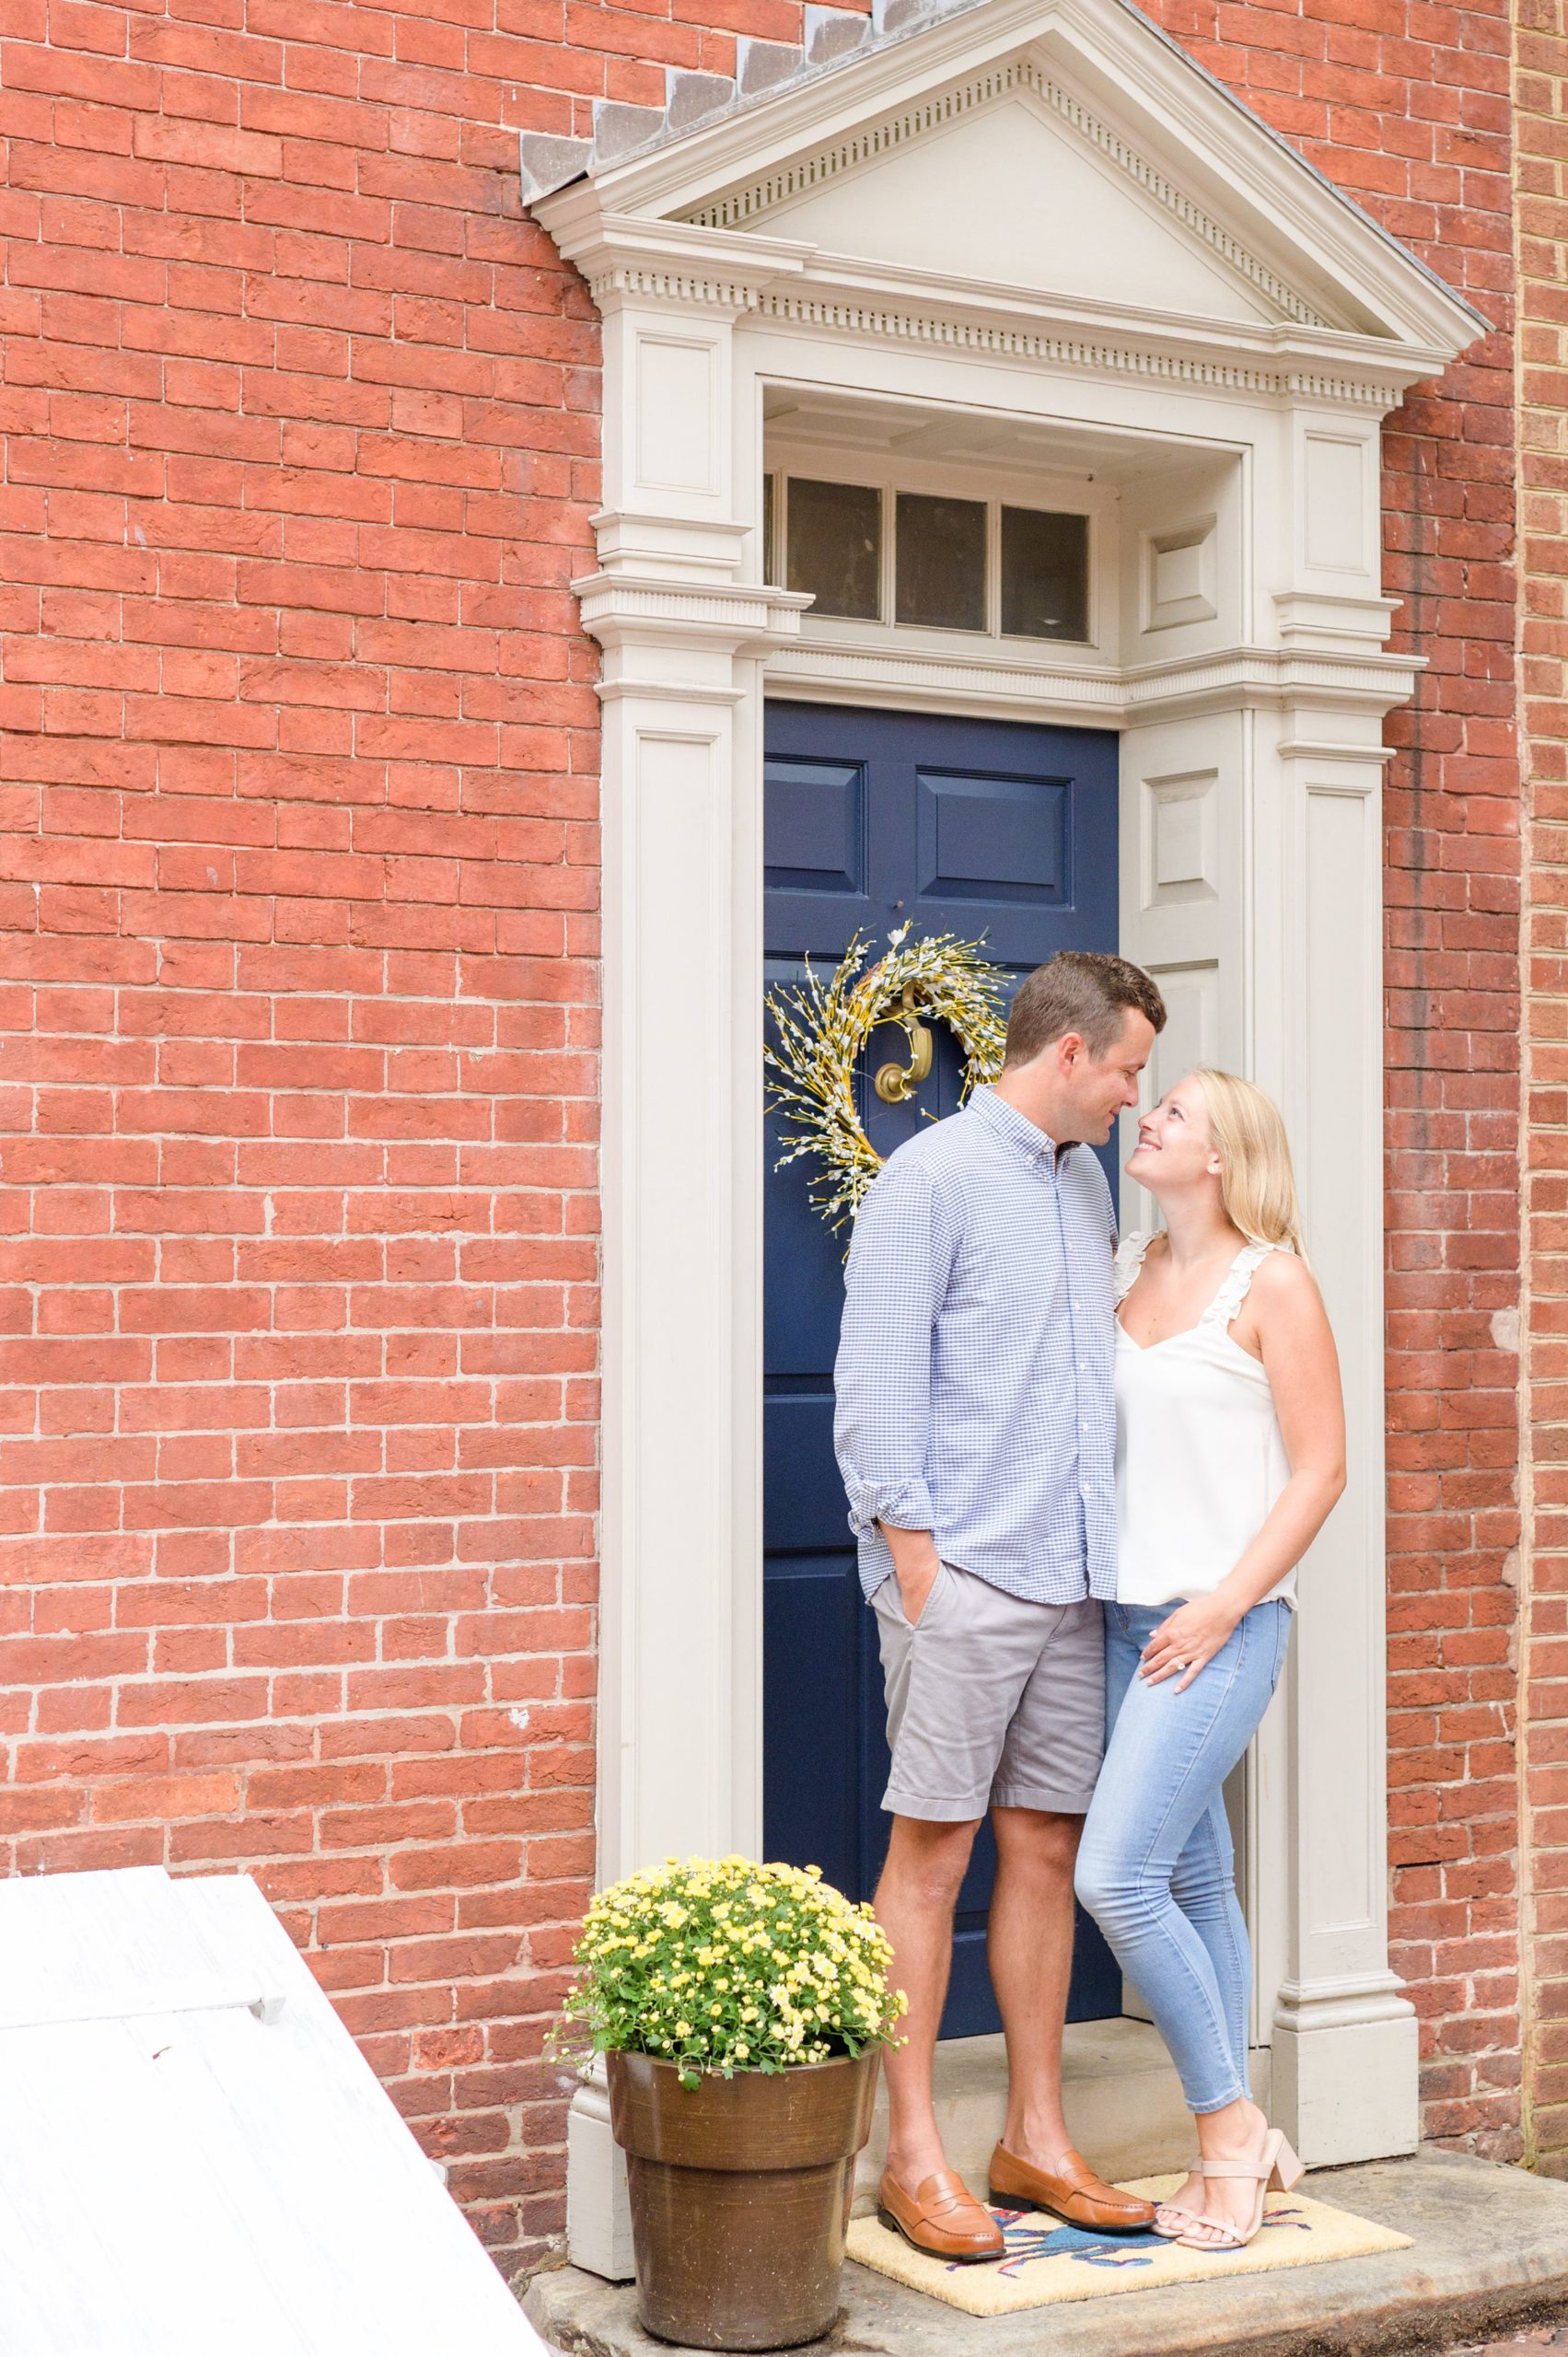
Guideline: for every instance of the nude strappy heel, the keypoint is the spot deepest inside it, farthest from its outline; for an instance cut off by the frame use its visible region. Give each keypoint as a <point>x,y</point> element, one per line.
<point>1174,2210</point>
<point>1275,2170</point>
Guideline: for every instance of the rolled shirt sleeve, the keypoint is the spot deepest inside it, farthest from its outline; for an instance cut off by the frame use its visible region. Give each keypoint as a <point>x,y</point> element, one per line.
<point>899,1263</point>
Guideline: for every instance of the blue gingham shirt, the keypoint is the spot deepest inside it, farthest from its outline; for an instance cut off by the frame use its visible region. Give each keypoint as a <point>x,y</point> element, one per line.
<point>974,1379</point>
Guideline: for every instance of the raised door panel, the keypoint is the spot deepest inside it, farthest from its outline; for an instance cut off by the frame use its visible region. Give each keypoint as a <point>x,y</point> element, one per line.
<point>995,843</point>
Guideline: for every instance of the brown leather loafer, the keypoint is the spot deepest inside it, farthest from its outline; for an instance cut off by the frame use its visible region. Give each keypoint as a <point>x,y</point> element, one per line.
<point>1078,2196</point>
<point>941,2217</point>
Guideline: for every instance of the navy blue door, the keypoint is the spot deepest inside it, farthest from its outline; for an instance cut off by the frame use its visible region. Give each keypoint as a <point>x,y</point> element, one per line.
<point>965,827</point>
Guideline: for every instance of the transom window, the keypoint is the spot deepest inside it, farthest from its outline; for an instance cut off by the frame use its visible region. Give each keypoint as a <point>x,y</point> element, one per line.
<point>929,561</point>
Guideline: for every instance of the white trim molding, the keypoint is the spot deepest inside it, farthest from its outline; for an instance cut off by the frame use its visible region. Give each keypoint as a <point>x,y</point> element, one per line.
<point>733,211</point>
<point>1249,688</point>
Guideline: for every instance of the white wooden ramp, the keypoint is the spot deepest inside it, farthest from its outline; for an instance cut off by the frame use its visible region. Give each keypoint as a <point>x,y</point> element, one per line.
<point>195,2160</point>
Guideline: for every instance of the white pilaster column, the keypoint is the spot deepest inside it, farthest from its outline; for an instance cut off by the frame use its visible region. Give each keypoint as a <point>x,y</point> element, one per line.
<point>683,635</point>
<point>680,1531</point>
<point>1344,2037</point>
<point>680,1526</point>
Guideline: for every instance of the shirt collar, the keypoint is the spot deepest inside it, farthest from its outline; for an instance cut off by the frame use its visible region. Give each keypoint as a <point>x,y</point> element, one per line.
<point>1024,1136</point>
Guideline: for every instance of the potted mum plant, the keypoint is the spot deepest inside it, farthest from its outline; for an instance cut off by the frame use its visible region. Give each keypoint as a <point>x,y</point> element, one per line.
<point>740,2009</point>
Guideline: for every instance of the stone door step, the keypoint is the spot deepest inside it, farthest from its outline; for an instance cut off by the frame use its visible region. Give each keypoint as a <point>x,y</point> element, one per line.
<point>1489,2249</point>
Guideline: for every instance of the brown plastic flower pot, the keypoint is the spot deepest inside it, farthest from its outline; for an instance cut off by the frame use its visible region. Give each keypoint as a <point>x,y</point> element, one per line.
<point>741,2196</point>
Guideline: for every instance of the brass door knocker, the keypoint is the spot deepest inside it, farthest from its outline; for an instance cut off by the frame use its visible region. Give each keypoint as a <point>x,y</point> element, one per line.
<point>896,1084</point>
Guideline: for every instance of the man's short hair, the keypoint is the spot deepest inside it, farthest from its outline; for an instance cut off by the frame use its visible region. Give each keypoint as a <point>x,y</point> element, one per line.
<point>1082,990</point>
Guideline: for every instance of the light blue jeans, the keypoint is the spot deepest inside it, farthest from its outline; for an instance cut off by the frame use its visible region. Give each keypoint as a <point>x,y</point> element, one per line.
<point>1156,1868</point>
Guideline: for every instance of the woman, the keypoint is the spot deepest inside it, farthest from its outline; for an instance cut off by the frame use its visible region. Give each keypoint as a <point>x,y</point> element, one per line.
<point>1229,1454</point>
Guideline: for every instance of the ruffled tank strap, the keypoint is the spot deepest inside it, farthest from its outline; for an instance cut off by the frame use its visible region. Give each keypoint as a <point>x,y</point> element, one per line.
<point>1226,1304</point>
<point>1129,1260</point>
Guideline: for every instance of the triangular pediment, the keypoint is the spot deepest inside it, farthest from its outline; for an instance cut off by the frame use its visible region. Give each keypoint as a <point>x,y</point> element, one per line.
<point>1052,161</point>
<point>1023,189</point>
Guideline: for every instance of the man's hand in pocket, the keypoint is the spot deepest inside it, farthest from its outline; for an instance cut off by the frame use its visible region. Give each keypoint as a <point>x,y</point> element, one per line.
<point>915,1566</point>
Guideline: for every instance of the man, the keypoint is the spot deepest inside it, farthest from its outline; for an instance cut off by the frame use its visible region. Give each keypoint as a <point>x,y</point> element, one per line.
<point>976,1434</point>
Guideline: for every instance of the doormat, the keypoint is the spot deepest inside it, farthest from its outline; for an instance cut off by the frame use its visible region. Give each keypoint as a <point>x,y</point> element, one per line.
<point>1047,2261</point>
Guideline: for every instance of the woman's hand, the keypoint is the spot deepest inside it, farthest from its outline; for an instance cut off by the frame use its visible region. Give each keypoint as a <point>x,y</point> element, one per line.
<point>1192,1635</point>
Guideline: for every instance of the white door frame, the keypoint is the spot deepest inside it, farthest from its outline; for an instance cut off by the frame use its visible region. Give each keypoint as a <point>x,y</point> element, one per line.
<point>1249,682</point>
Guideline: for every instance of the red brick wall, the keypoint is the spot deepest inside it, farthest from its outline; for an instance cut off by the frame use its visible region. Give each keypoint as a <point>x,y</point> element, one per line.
<point>299,789</point>
<point>1543,473</point>
<point>1453,981</point>
<point>297,1326</point>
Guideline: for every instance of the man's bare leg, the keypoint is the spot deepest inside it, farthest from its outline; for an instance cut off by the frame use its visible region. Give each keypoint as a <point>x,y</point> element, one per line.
<point>1030,1946</point>
<point>914,1904</point>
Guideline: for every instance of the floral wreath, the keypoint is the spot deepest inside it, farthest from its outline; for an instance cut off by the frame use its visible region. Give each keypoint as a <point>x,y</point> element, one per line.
<point>822,1031</point>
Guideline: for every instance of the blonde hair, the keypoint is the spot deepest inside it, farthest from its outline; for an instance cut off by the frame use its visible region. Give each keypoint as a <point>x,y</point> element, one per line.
<point>1257,1181</point>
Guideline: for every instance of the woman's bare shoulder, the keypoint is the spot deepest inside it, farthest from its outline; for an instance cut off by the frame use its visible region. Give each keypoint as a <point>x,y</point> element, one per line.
<point>1281,1281</point>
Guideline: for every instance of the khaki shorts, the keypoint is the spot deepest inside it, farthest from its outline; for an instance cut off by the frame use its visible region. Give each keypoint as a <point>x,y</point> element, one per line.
<point>990,1700</point>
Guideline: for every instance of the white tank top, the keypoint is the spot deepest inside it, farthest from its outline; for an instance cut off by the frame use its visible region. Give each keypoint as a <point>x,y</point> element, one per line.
<point>1200,1457</point>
